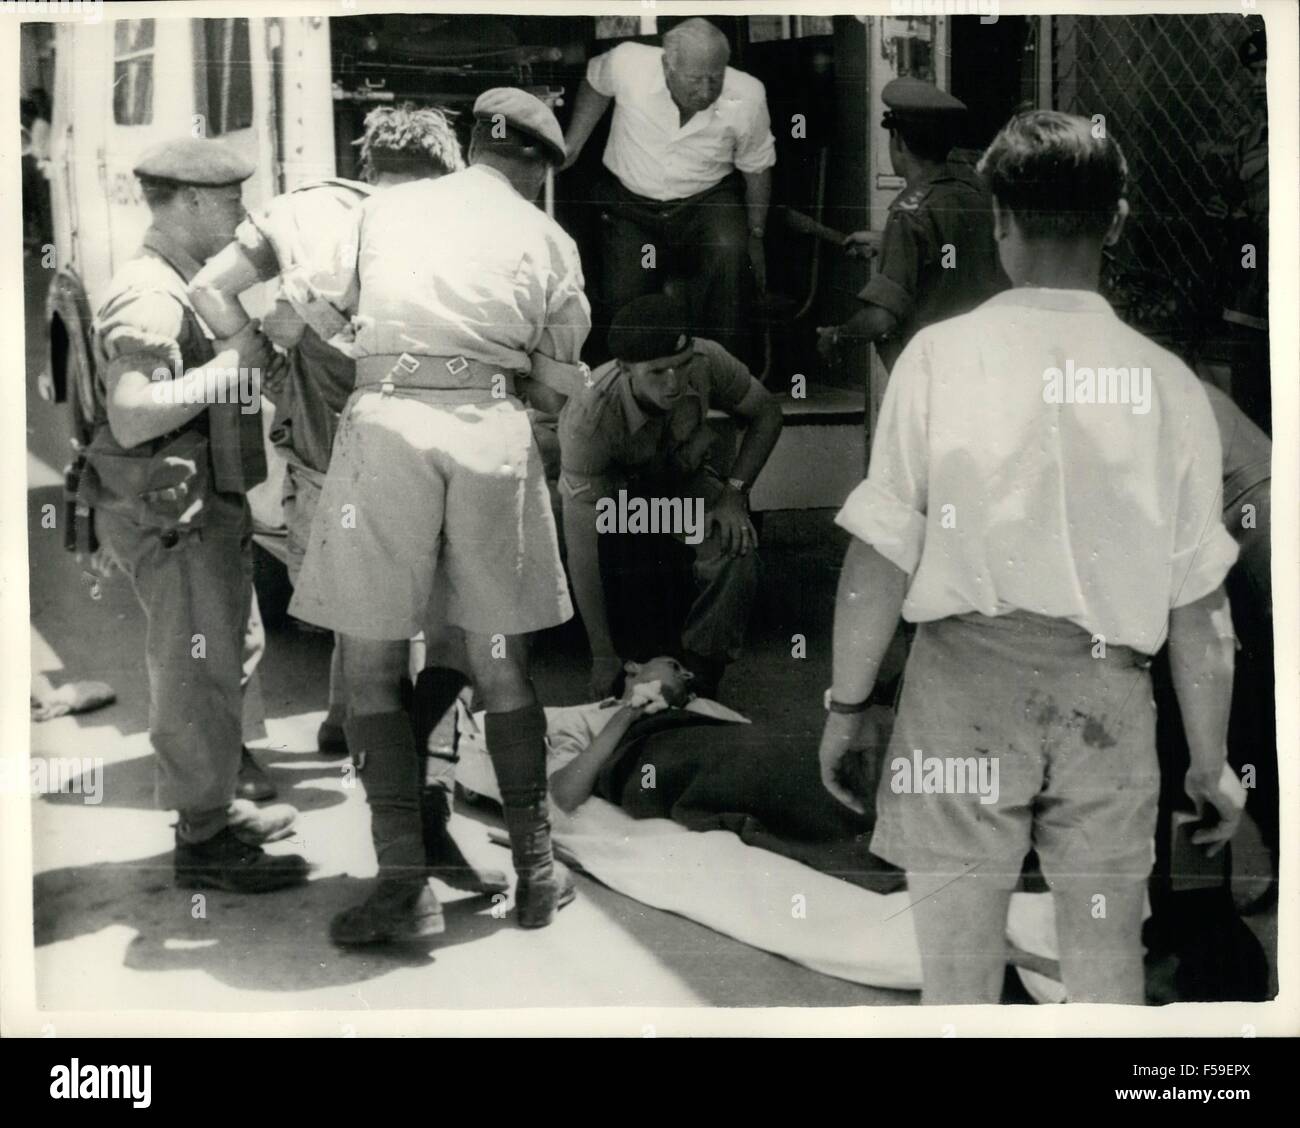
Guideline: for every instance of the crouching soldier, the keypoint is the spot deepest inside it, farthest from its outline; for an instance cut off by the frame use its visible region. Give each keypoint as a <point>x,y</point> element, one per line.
<point>176,445</point>
<point>435,507</point>
<point>642,429</point>
<point>307,239</point>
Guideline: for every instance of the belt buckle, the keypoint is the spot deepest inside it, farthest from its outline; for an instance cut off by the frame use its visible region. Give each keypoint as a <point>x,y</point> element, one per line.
<point>456,365</point>
<point>405,363</point>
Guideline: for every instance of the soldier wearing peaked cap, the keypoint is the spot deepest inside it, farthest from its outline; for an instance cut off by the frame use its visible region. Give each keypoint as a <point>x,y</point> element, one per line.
<point>176,444</point>
<point>435,508</point>
<point>937,256</point>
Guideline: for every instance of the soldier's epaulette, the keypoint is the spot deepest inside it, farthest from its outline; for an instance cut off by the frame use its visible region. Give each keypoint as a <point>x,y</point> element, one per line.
<point>912,201</point>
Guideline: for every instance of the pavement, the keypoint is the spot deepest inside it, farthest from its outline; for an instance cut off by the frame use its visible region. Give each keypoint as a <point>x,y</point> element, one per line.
<point>112,933</point>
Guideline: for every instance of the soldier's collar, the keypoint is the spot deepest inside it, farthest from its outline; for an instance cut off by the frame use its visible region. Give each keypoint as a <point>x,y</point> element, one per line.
<point>171,252</point>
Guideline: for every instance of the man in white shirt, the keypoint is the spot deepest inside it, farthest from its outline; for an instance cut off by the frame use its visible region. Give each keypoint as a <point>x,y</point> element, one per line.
<point>1046,523</point>
<point>685,126</point>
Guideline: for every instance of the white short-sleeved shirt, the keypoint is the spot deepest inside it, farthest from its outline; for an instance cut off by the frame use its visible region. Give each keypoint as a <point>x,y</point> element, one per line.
<point>994,495</point>
<point>655,156</point>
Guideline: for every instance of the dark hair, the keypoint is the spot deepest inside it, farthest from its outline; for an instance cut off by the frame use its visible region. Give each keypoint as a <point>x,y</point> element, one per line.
<point>1056,174</point>
<point>158,192</point>
<point>929,142</point>
<point>409,140</point>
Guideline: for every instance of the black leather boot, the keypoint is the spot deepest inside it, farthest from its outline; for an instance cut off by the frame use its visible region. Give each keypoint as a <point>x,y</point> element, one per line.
<point>516,743</point>
<point>402,906</point>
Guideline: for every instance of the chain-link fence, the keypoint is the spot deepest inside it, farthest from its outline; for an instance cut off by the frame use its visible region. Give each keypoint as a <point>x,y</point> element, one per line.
<point>1175,97</point>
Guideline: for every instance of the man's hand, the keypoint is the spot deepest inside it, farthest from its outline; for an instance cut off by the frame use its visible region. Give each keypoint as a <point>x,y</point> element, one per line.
<point>841,732</point>
<point>735,530</point>
<point>250,343</point>
<point>758,259</point>
<point>828,342</point>
<point>862,244</point>
<point>604,669</point>
<point>1226,800</point>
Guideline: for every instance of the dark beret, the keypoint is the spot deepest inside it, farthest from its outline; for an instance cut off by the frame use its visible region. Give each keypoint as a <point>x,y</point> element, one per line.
<point>649,328</point>
<point>191,160</point>
<point>526,113</point>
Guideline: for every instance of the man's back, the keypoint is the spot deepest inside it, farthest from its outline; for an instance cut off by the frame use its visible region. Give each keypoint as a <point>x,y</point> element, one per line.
<point>460,265</point>
<point>1063,463</point>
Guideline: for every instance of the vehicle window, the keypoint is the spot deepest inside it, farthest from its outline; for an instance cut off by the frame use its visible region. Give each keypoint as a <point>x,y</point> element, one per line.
<point>133,72</point>
<point>766,29</point>
<point>223,75</point>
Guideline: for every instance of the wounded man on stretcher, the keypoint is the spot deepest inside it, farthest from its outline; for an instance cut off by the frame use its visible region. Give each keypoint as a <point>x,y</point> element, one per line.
<point>658,751</point>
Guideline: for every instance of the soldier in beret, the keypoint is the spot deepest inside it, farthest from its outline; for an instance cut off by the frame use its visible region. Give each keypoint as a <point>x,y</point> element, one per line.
<point>435,508</point>
<point>937,254</point>
<point>643,427</point>
<point>176,446</point>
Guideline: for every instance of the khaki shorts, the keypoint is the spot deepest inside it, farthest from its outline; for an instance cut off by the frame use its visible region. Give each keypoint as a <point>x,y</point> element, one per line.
<point>1041,744</point>
<point>433,511</point>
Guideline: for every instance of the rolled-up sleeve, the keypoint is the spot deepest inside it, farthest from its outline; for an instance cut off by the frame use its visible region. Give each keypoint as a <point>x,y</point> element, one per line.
<point>140,331</point>
<point>556,360</point>
<point>605,71</point>
<point>1204,551</point>
<point>888,509</point>
<point>755,147</point>
<point>893,286</point>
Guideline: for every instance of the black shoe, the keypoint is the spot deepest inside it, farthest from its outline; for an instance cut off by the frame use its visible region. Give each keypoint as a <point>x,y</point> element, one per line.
<point>224,862</point>
<point>331,740</point>
<point>446,862</point>
<point>253,782</point>
<point>397,910</point>
<point>537,901</point>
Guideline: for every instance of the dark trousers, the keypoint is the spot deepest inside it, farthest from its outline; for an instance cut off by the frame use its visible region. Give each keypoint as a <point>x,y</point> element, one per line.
<point>697,247</point>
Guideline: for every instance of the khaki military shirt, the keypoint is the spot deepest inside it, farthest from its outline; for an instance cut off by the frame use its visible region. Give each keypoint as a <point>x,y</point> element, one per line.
<point>147,324</point>
<point>947,219</point>
<point>606,438</point>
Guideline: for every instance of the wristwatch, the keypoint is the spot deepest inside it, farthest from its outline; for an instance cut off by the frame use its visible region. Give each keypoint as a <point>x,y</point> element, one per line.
<point>833,706</point>
<point>738,484</point>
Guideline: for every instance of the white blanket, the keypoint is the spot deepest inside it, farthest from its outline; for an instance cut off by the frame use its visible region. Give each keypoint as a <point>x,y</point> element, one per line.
<point>773,902</point>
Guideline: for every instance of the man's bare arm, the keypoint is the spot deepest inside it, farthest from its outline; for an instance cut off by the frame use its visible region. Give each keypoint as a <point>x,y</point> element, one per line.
<point>588,108</point>
<point>868,605</point>
<point>1201,655</point>
<point>573,783</point>
<point>216,288</point>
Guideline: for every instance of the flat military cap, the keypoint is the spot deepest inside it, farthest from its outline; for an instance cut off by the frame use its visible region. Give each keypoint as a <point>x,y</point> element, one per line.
<point>190,160</point>
<point>521,111</point>
<point>920,103</point>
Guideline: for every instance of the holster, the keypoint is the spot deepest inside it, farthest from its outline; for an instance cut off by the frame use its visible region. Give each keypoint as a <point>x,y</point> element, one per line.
<point>167,490</point>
